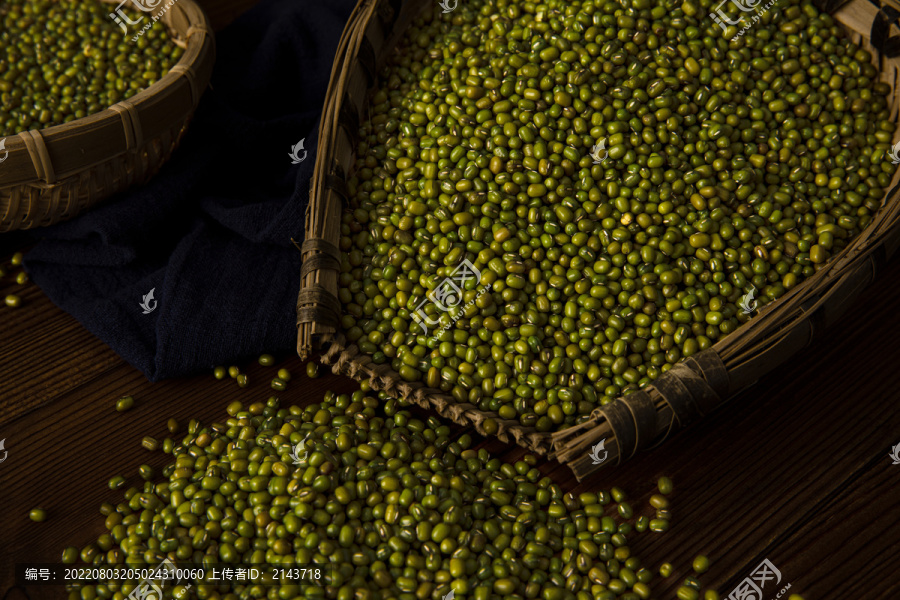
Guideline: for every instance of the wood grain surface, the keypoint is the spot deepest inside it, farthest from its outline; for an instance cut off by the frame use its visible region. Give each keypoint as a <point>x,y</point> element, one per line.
<point>794,470</point>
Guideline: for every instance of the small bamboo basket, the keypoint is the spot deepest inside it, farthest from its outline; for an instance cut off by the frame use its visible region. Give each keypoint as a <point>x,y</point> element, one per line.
<point>53,174</point>
<point>684,394</point>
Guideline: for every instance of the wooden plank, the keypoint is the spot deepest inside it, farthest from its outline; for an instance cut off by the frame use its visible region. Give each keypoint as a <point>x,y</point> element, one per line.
<point>767,475</point>
<point>795,469</point>
<point>41,343</point>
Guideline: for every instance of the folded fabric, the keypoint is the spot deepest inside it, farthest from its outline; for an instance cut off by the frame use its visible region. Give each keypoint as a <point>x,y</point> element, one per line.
<point>197,268</point>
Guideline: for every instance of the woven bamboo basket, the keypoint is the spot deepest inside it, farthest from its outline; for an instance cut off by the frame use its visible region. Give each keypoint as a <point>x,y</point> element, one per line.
<point>53,174</point>
<point>684,394</point>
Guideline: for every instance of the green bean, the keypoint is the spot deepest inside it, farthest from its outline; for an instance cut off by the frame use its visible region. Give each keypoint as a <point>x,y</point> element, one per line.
<point>658,525</point>
<point>266,360</point>
<point>13,301</point>
<point>124,403</point>
<point>665,487</point>
<point>37,515</point>
<point>701,564</point>
<point>70,555</point>
<point>686,593</point>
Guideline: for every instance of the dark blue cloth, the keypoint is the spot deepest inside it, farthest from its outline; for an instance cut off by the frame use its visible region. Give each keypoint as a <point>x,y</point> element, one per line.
<point>211,233</point>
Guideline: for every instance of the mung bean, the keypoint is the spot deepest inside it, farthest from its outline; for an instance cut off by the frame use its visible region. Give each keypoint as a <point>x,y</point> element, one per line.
<point>124,403</point>
<point>701,564</point>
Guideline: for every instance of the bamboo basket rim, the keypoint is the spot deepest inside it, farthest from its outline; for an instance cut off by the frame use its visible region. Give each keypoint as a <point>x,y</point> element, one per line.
<point>41,159</point>
<point>698,384</point>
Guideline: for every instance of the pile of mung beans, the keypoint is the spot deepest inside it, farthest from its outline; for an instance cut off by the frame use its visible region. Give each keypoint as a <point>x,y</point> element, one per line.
<point>395,505</point>
<point>62,60</point>
<point>733,165</point>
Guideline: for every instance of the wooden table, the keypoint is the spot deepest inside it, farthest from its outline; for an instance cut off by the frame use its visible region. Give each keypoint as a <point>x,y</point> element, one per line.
<point>794,470</point>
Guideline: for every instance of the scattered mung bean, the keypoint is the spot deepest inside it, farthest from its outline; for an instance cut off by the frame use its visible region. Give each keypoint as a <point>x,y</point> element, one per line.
<point>701,564</point>
<point>665,486</point>
<point>379,481</point>
<point>124,403</point>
